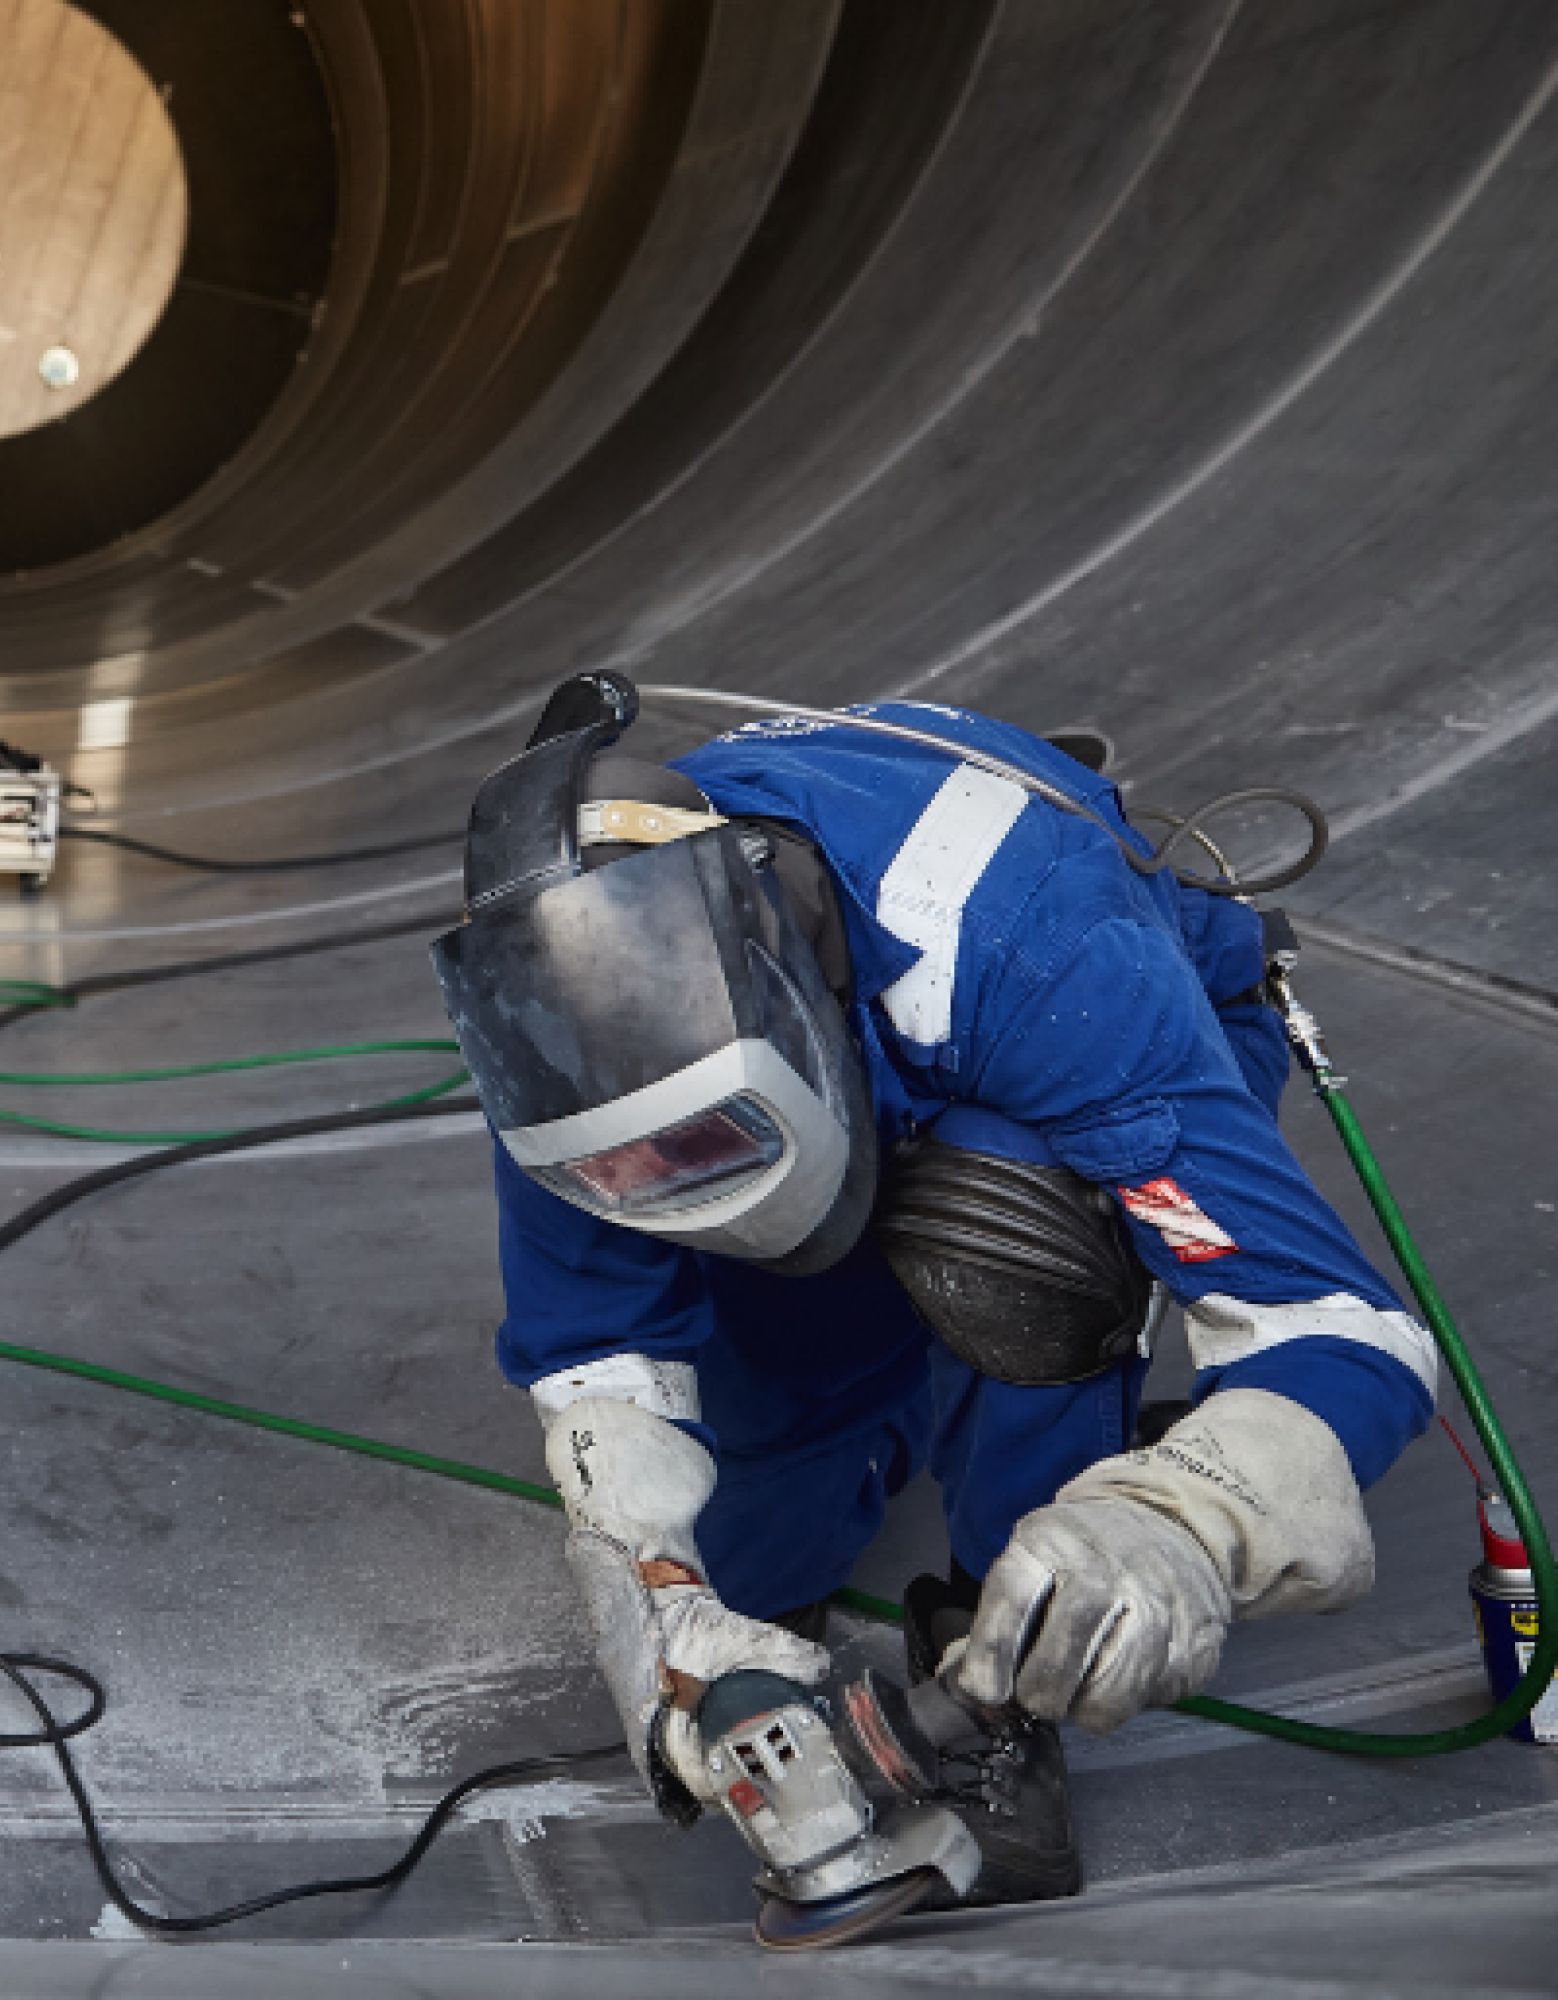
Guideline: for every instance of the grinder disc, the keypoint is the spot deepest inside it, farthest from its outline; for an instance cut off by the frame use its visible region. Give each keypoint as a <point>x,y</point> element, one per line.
<point>785,1926</point>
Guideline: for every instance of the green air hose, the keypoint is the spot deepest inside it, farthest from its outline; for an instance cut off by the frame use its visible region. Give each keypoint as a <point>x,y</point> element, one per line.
<point>1520,1701</point>
<point>268,1420</point>
<point>880,1608</point>
<point>1367,1743</point>
<point>1304,1033</point>
<point>33,993</point>
<point>47,1079</point>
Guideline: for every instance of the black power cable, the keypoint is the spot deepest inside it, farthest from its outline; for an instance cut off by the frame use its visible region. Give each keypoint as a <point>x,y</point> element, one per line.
<point>26,1220</point>
<point>210,865</point>
<point>55,1735</point>
<point>52,1734</point>
<point>191,968</point>
<point>25,763</point>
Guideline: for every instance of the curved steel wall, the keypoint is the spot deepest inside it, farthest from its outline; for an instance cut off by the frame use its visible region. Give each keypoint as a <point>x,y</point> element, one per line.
<point>1063,357</point>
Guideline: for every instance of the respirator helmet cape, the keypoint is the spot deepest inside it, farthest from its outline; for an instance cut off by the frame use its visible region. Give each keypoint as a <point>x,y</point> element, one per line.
<point>639,991</point>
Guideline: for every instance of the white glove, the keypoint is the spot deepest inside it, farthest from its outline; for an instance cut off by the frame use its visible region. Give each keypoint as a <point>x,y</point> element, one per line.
<point>1118,1595</point>
<point>633,1485</point>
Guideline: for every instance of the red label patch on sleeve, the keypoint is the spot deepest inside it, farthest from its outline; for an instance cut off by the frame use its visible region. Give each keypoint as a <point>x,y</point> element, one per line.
<point>1187,1230</point>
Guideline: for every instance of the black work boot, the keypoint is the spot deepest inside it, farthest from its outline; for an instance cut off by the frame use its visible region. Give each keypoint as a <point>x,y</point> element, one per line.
<point>1008,1788</point>
<point>806,1621</point>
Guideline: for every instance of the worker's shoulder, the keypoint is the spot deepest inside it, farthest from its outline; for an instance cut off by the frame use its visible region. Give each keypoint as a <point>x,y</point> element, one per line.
<point>839,779</point>
<point>926,839</point>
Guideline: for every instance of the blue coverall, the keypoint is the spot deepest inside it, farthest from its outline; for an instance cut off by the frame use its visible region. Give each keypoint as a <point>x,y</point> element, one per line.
<point>1022,989</point>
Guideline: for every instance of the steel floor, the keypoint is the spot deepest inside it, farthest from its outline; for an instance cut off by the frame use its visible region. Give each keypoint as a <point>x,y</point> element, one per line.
<point>303,1648</point>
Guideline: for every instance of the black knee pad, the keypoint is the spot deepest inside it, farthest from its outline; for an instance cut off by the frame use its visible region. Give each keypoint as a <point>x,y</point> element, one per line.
<point>1025,1272</point>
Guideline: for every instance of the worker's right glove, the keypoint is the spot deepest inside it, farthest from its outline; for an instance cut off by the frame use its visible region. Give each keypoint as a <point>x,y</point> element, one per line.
<point>1118,1595</point>
<point>633,1485</point>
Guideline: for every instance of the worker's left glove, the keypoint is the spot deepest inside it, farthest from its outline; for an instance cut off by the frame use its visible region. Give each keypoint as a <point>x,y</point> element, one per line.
<point>633,1485</point>
<point>1118,1595</point>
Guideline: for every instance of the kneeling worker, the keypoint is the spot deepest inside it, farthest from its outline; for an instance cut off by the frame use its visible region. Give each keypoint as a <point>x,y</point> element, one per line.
<point>851,1097</point>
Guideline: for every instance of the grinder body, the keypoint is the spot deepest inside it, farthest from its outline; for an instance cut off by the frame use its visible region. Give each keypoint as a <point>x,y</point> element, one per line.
<point>834,1863</point>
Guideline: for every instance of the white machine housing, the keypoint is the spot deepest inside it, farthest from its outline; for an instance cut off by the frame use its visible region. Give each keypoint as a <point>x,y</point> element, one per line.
<point>29,823</point>
<point>787,1788</point>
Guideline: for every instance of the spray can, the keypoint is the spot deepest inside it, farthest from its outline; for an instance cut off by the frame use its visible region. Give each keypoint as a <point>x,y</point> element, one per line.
<point>1503,1597</point>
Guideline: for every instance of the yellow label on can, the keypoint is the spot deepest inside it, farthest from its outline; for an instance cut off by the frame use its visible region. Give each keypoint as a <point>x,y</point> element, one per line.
<point>1524,1622</point>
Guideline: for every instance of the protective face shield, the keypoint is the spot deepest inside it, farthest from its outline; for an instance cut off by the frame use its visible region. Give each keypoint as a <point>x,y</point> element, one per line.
<point>648,1028</point>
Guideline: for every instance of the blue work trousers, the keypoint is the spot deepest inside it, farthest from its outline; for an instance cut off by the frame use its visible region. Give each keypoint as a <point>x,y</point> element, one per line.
<point>805,1476</point>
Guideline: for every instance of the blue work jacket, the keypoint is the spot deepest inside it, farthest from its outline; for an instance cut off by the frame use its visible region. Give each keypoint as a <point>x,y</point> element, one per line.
<point>1020,987</point>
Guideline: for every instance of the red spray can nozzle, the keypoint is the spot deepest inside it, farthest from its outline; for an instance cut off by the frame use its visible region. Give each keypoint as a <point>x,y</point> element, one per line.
<point>1501,1543</point>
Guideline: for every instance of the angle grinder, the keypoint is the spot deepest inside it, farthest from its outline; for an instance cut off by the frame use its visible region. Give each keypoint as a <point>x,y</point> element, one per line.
<point>842,1813</point>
